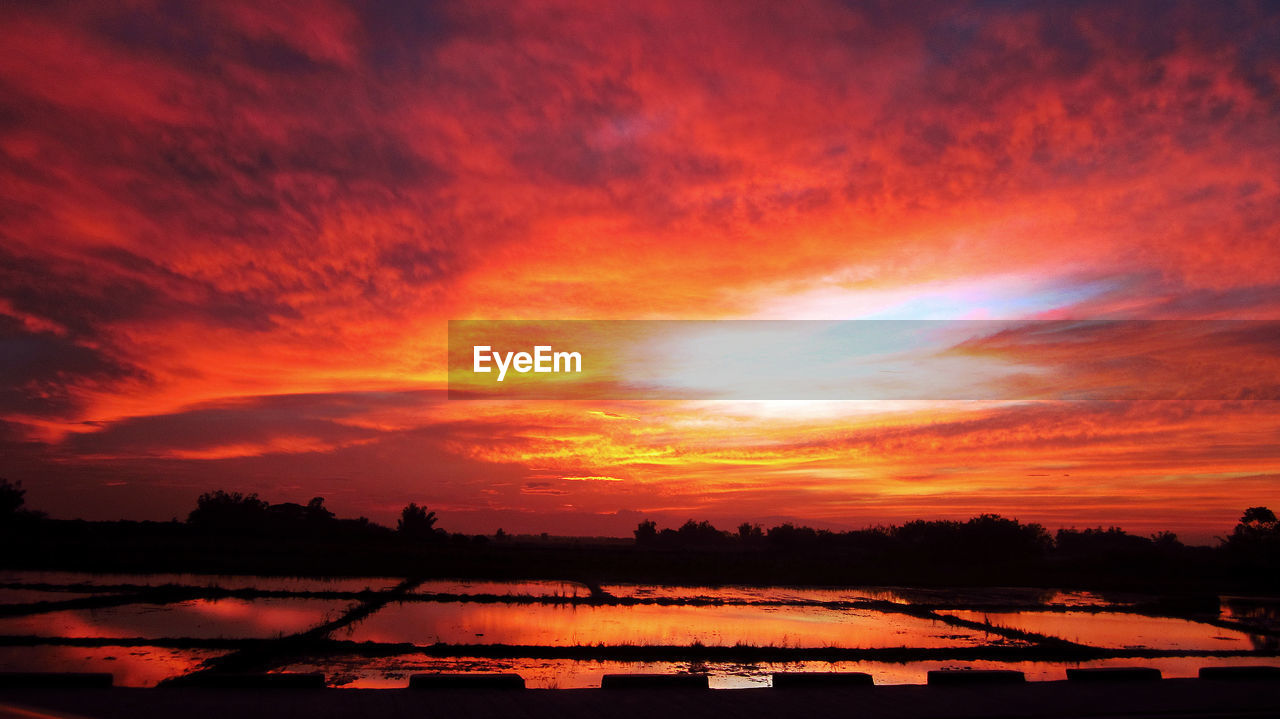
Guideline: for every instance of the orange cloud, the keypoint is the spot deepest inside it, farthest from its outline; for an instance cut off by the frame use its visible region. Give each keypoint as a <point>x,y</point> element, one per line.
<point>234,234</point>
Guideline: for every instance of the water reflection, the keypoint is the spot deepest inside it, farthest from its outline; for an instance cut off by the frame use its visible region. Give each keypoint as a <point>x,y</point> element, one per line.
<point>31,596</point>
<point>393,672</point>
<point>202,618</point>
<point>222,581</point>
<point>739,593</point>
<point>958,597</point>
<point>1007,596</point>
<point>1115,630</point>
<point>1013,597</point>
<point>538,588</point>
<point>1259,613</point>
<point>1262,612</point>
<point>131,666</point>
<point>781,621</point>
<point>553,625</point>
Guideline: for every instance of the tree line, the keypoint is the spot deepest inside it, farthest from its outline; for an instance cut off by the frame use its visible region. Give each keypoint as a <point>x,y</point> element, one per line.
<point>223,511</point>
<point>987,535</point>
<point>1256,537</point>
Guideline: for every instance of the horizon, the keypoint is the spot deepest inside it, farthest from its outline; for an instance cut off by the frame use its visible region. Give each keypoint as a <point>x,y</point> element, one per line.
<point>235,237</point>
<point>725,525</point>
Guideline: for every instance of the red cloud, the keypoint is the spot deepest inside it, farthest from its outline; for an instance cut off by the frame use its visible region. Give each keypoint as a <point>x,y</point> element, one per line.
<point>206,203</point>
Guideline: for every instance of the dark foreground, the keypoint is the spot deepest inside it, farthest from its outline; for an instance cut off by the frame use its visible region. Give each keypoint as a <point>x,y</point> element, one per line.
<point>1041,700</point>
<point>234,534</point>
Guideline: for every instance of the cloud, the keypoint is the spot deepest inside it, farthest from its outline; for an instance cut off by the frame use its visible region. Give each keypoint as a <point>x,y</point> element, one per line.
<point>46,374</point>
<point>251,426</point>
<point>212,204</point>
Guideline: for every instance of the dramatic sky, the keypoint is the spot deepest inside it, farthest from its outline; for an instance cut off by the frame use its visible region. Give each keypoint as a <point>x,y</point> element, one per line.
<point>232,234</point>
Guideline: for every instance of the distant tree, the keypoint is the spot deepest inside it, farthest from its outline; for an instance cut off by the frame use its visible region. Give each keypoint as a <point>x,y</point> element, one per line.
<point>982,539</point>
<point>1257,533</point>
<point>790,537</point>
<point>1166,540</point>
<point>292,518</point>
<point>748,532</point>
<point>1258,516</point>
<point>646,532</point>
<point>316,511</point>
<point>991,535</point>
<point>873,541</point>
<point>417,523</point>
<point>693,533</point>
<point>928,536</point>
<point>1099,542</point>
<point>500,535</point>
<point>228,510</point>
<point>12,497</point>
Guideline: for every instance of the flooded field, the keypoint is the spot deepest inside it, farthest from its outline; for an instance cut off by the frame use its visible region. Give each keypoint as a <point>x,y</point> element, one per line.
<point>392,672</point>
<point>1262,613</point>
<point>21,595</point>
<point>1115,631</point>
<point>1009,596</point>
<point>222,581</point>
<point>479,587</point>
<point>200,618</point>
<point>376,631</point>
<point>726,626</point>
<point>132,666</point>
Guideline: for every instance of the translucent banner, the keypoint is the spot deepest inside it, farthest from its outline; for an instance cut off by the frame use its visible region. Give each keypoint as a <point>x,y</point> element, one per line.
<point>864,359</point>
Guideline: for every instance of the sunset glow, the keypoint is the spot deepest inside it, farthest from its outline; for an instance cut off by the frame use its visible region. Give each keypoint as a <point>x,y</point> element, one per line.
<point>234,234</point>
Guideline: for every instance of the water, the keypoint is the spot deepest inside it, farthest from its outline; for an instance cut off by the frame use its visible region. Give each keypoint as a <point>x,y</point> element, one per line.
<point>739,593</point>
<point>557,625</point>
<point>393,672</point>
<point>31,596</point>
<point>530,589</point>
<point>1113,630</point>
<point>131,666</point>
<point>898,595</point>
<point>223,581</point>
<point>1259,612</point>
<point>197,619</point>
<point>556,614</point>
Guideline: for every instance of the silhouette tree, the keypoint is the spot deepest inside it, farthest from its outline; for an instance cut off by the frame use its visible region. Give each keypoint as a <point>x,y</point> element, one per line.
<point>1257,533</point>
<point>316,511</point>
<point>417,523</point>
<point>1166,541</point>
<point>982,539</point>
<point>990,535</point>
<point>790,537</point>
<point>693,533</point>
<point>229,510</point>
<point>12,497</point>
<point>646,532</point>
<point>291,517</point>
<point>1258,516</point>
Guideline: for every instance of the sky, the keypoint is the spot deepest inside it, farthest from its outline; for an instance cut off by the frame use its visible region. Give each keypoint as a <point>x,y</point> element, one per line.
<point>233,235</point>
